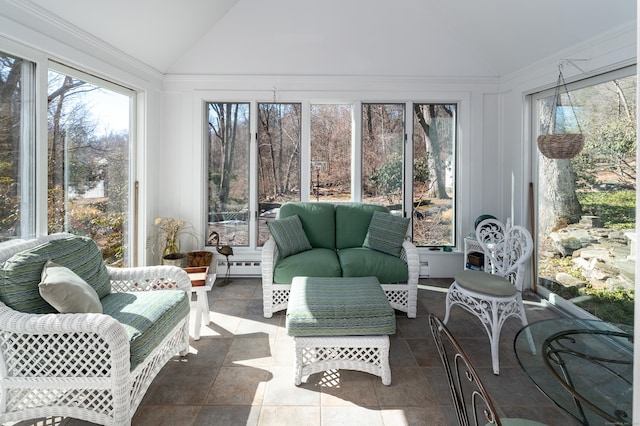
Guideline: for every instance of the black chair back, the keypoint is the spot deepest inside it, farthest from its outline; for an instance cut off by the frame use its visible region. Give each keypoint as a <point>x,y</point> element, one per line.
<point>471,400</point>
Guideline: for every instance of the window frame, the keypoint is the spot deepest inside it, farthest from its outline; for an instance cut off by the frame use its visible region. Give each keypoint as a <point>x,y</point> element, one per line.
<point>534,131</point>
<point>460,99</point>
<point>130,232</point>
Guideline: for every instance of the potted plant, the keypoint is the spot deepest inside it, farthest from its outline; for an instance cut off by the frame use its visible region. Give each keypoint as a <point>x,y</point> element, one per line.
<point>166,240</point>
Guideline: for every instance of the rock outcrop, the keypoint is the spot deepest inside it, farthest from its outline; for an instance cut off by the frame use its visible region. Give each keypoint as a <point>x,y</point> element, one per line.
<point>606,257</point>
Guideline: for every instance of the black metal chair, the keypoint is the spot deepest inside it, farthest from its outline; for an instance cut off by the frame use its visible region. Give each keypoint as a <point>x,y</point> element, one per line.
<point>471,401</point>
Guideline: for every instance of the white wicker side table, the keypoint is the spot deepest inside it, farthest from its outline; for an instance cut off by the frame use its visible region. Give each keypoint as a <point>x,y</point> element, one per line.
<point>340,323</point>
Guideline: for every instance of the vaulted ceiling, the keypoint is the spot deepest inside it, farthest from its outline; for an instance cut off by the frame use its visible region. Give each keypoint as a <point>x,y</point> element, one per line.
<point>479,38</point>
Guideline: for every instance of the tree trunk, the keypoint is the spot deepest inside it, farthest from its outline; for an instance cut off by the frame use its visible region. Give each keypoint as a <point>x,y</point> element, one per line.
<point>557,200</point>
<point>431,132</point>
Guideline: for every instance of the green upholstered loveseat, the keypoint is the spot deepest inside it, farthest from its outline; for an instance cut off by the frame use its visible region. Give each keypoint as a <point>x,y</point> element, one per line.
<point>93,366</point>
<point>337,234</point>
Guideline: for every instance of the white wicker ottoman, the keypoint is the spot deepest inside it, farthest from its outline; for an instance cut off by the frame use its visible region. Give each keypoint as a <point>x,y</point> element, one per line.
<point>340,323</point>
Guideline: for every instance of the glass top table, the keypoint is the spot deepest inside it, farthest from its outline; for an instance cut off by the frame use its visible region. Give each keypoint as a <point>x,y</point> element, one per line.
<point>584,366</point>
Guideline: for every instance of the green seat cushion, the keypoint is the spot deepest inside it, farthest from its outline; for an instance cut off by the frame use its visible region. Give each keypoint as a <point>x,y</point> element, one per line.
<point>362,262</point>
<point>318,221</point>
<point>352,223</point>
<point>317,262</point>
<point>21,274</point>
<point>483,282</point>
<point>386,233</point>
<point>289,235</point>
<point>338,307</point>
<point>147,317</point>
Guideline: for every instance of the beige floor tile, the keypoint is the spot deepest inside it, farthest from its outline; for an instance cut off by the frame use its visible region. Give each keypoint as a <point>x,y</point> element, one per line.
<point>280,390</point>
<point>252,350</point>
<point>181,384</point>
<point>414,416</point>
<point>228,416</point>
<point>238,386</point>
<point>290,415</point>
<point>409,388</point>
<point>345,387</point>
<point>165,415</point>
<point>351,416</point>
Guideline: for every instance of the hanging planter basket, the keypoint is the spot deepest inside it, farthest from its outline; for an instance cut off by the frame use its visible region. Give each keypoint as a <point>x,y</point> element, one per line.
<point>563,145</point>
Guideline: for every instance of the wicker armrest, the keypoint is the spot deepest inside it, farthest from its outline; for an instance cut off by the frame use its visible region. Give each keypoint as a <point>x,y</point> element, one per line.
<point>46,347</point>
<point>409,254</point>
<point>269,258</point>
<point>145,278</point>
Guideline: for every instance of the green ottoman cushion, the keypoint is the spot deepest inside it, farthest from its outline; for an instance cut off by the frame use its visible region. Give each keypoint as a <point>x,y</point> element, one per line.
<point>362,261</point>
<point>338,307</point>
<point>318,222</point>
<point>352,223</point>
<point>317,262</point>
<point>147,317</point>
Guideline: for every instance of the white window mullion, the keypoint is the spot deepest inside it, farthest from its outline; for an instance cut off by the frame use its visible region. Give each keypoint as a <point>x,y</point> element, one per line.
<point>253,174</point>
<point>305,152</point>
<point>356,152</point>
<point>408,160</point>
<point>41,151</point>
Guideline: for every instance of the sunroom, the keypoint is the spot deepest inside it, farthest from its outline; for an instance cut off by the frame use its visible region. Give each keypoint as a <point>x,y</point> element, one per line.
<point>214,114</point>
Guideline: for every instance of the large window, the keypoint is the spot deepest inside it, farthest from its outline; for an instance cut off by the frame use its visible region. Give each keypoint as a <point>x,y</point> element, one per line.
<point>330,152</point>
<point>331,135</point>
<point>228,172</point>
<point>17,144</point>
<point>279,133</point>
<point>586,235</point>
<point>434,142</point>
<point>383,133</point>
<point>89,159</point>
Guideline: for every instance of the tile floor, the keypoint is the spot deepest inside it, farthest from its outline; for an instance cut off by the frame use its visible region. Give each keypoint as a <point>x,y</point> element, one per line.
<point>240,372</point>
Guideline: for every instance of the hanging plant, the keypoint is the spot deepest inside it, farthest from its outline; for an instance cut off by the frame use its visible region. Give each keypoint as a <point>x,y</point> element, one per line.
<point>561,145</point>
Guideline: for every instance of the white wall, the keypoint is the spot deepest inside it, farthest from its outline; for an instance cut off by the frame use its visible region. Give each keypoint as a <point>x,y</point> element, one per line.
<point>183,134</point>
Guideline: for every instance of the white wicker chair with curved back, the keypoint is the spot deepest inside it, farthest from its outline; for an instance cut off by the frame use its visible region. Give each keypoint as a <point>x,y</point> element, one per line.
<point>78,364</point>
<point>470,397</point>
<point>495,294</point>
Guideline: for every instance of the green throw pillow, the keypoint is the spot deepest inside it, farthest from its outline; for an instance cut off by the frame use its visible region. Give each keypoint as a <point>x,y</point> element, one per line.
<point>66,291</point>
<point>289,236</point>
<point>386,233</point>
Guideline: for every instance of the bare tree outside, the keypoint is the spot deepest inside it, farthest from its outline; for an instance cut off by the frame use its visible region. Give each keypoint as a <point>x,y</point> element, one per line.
<point>279,139</point>
<point>88,179</point>
<point>228,173</point>
<point>331,152</point>
<point>14,75</point>
<point>434,143</point>
<point>383,133</point>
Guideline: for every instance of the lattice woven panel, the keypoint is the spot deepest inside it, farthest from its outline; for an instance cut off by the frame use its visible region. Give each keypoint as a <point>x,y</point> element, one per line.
<point>143,284</point>
<point>397,297</point>
<point>55,355</point>
<point>280,297</point>
<point>97,400</point>
<point>315,355</point>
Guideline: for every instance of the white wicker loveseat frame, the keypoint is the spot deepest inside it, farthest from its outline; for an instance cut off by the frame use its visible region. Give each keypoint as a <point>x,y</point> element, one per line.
<point>402,296</point>
<point>78,365</point>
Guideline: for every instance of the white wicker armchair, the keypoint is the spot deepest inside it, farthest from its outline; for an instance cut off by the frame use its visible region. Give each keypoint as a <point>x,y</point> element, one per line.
<point>78,365</point>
